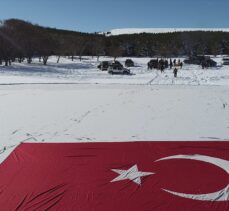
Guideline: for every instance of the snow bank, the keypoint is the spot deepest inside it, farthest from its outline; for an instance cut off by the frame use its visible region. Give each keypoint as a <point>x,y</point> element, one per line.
<point>160,30</point>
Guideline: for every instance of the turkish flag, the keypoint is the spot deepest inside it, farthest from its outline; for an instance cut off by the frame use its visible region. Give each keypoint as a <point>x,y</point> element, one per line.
<point>129,176</point>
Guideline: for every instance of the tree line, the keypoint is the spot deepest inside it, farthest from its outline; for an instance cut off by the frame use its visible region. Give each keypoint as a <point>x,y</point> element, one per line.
<point>23,41</point>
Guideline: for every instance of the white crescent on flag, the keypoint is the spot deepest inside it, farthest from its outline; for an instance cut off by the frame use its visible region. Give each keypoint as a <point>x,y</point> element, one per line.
<point>222,195</point>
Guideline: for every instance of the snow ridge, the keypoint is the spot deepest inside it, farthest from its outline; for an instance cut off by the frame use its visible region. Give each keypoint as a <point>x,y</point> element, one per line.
<point>160,30</point>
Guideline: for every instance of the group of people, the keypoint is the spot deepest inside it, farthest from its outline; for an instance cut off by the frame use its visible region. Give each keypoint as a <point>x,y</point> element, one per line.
<point>159,64</point>
<point>162,64</point>
<point>175,63</point>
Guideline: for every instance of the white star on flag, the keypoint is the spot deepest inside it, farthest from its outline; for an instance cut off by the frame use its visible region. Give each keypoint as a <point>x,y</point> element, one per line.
<point>131,174</point>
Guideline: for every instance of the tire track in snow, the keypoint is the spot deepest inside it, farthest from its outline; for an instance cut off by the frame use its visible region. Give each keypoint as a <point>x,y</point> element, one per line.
<point>195,79</point>
<point>152,80</point>
<point>82,117</point>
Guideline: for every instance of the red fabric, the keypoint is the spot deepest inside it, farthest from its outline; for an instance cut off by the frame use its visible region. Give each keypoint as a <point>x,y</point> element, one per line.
<point>78,177</point>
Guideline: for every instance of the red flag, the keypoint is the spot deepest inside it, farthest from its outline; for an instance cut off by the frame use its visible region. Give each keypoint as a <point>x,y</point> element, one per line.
<point>134,176</point>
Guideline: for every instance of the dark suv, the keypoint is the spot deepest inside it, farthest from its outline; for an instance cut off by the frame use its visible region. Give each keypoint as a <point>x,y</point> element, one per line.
<point>129,63</point>
<point>199,60</point>
<point>104,65</point>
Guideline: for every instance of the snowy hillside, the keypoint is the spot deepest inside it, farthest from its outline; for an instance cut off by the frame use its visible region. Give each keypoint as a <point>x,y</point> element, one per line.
<point>159,30</point>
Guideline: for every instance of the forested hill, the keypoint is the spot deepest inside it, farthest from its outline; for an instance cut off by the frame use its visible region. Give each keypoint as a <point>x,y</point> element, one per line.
<point>20,40</point>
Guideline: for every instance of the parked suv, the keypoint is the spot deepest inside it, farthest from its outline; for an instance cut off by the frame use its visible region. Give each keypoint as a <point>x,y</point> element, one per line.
<point>117,68</point>
<point>104,65</point>
<point>129,63</point>
<point>200,60</point>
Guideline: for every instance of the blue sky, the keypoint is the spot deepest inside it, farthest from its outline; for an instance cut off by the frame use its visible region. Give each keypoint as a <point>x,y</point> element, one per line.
<point>103,15</point>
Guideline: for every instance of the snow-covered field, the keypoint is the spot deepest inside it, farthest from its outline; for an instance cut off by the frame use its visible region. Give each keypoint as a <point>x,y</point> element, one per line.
<point>86,72</point>
<point>74,102</point>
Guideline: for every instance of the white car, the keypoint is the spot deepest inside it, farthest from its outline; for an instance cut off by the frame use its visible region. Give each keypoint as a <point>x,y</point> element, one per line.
<point>118,69</point>
<point>225,60</point>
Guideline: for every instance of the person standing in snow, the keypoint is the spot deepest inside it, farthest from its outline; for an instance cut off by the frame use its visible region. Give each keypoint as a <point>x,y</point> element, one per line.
<point>175,72</point>
<point>178,63</point>
<point>166,63</point>
<point>170,64</point>
<point>162,68</point>
<point>203,64</point>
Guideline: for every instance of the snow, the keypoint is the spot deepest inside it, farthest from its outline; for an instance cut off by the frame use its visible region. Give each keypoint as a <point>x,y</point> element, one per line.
<point>74,102</point>
<point>122,31</point>
<point>86,72</point>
